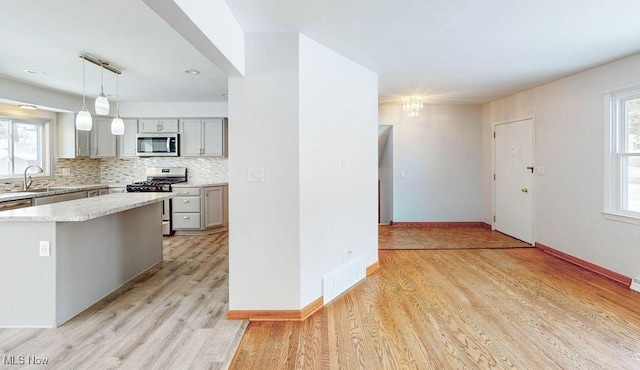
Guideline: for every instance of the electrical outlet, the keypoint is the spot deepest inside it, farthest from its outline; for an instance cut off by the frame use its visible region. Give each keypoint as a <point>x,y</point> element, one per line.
<point>45,248</point>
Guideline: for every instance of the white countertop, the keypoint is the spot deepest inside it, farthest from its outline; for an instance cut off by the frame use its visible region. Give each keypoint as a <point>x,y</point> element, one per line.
<point>198,185</point>
<point>28,194</point>
<point>84,209</point>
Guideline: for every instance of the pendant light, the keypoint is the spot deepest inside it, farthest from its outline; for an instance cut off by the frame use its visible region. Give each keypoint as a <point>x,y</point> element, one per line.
<point>83,119</point>
<point>117,125</point>
<point>102,103</point>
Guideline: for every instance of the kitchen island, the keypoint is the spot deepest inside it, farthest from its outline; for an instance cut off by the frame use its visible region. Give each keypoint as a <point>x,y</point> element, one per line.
<point>95,245</point>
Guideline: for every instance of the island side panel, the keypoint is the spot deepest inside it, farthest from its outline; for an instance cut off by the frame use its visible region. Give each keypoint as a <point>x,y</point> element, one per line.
<point>27,281</point>
<point>97,256</point>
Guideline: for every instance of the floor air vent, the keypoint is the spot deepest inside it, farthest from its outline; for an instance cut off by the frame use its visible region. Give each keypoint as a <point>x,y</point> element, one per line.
<point>342,278</point>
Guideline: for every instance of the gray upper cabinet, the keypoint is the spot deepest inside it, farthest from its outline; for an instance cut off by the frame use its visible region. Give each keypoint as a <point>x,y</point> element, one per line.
<point>158,125</point>
<point>71,142</point>
<point>127,142</point>
<point>202,137</point>
<point>103,142</point>
<point>83,144</point>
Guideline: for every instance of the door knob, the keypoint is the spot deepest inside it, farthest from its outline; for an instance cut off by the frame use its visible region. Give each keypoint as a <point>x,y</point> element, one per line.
<point>524,190</point>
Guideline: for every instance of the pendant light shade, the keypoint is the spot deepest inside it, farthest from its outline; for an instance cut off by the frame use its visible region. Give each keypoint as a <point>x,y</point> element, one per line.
<point>102,103</point>
<point>117,125</point>
<point>84,122</point>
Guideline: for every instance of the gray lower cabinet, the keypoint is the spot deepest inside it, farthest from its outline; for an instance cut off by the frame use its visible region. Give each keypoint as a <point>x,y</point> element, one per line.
<point>117,189</point>
<point>214,206</point>
<point>200,210</point>
<point>186,210</point>
<point>15,204</point>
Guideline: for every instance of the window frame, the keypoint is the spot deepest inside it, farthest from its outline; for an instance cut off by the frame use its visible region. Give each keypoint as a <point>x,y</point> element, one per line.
<point>45,142</point>
<point>615,150</point>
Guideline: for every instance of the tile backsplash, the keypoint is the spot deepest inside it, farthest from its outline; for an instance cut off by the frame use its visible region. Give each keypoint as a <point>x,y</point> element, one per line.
<point>83,171</point>
<point>199,170</point>
<point>88,171</point>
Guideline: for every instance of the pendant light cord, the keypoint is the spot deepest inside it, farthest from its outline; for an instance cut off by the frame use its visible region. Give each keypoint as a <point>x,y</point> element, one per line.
<point>101,79</point>
<point>84,87</point>
<point>118,94</point>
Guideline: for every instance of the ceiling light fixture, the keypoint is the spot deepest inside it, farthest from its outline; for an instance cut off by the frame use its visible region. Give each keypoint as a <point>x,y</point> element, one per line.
<point>412,106</point>
<point>84,122</point>
<point>102,103</point>
<point>28,107</point>
<point>192,72</point>
<point>117,125</point>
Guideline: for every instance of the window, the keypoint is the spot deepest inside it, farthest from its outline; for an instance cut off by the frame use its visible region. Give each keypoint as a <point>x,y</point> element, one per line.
<point>23,143</point>
<point>623,196</point>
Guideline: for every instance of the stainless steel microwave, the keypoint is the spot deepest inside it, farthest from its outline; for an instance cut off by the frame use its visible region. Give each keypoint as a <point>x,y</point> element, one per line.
<point>157,145</point>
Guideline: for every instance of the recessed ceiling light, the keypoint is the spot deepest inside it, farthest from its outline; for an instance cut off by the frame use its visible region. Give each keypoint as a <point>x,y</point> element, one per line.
<point>34,72</point>
<point>28,107</point>
<point>191,72</point>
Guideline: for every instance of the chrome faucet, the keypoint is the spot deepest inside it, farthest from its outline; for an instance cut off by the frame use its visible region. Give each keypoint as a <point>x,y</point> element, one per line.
<point>26,184</point>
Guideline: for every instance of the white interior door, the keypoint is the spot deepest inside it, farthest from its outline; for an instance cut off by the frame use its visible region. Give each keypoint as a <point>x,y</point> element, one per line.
<point>514,179</point>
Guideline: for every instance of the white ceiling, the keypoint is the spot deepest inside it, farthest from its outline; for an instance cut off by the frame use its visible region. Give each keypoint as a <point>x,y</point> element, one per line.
<point>48,35</point>
<point>458,51</point>
<point>453,51</point>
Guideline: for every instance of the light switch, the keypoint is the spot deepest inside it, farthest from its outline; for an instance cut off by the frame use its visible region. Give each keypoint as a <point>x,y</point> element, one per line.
<point>255,174</point>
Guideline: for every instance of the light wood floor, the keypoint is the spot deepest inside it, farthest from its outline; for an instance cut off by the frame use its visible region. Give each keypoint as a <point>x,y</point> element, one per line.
<point>460,309</point>
<point>433,237</point>
<point>172,317</point>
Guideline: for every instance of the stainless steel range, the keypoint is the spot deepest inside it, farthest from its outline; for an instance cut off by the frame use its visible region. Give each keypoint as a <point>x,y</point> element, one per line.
<point>160,179</point>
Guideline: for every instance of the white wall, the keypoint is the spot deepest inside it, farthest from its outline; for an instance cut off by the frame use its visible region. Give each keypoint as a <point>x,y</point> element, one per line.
<point>338,204</point>
<point>173,109</point>
<point>264,239</point>
<point>440,153</point>
<point>569,120</point>
<point>29,94</point>
<point>298,113</point>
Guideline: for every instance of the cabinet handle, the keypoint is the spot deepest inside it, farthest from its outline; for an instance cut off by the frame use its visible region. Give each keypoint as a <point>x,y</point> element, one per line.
<point>185,201</point>
<point>185,192</point>
<point>186,217</point>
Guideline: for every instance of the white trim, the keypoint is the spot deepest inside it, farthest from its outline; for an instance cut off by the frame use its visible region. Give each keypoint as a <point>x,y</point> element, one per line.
<point>621,217</point>
<point>46,147</point>
<point>622,89</point>
<point>614,142</point>
<point>531,117</point>
<point>512,120</point>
